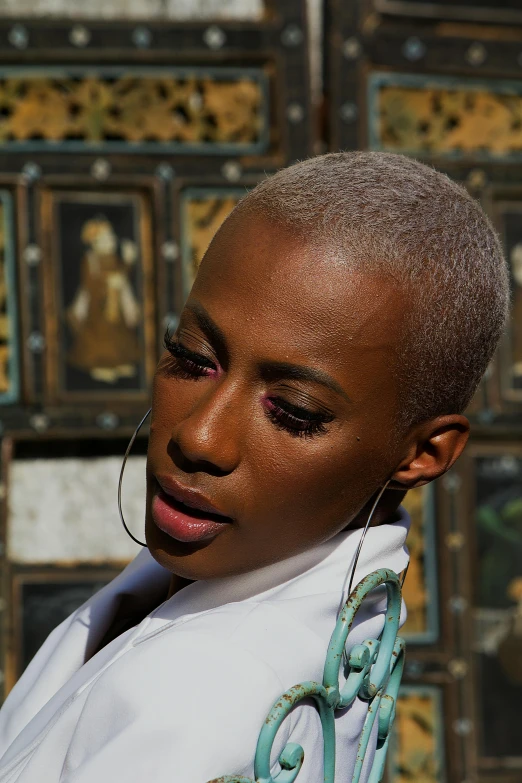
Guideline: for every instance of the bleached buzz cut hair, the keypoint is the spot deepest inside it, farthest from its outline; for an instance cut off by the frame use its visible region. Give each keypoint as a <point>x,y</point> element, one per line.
<point>389,214</point>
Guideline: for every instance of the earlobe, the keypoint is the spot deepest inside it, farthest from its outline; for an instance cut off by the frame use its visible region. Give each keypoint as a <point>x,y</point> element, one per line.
<point>434,446</point>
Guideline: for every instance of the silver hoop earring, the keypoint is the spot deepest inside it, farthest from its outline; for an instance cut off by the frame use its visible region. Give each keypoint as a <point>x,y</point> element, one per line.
<point>358,552</point>
<point>129,447</point>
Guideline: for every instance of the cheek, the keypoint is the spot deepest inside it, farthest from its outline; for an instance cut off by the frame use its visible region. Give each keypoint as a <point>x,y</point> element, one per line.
<point>320,480</point>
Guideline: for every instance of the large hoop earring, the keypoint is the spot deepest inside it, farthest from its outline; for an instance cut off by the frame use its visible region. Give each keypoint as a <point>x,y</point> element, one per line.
<point>129,447</point>
<point>358,552</point>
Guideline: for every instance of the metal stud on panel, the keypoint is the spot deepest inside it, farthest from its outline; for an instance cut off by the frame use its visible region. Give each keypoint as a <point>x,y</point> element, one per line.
<point>101,169</point>
<point>18,36</point>
<point>413,49</point>
<point>476,54</point>
<point>231,170</point>
<point>31,171</point>
<point>170,250</point>
<point>80,36</point>
<point>36,342</point>
<point>39,422</point>
<point>349,112</point>
<point>214,37</point>
<point>295,113</point>
<point>292,35</point>
<point>32,255</point>
<point>141,37</point>
<point>107,420</point>
<point>165,171</point>
<point>352,48</point>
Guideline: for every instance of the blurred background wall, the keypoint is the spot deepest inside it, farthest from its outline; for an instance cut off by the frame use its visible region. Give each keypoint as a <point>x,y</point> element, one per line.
<point>128,130</point>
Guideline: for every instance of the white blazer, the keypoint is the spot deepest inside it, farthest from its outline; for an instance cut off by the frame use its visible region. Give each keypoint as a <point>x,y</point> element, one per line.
<point>181,697</point>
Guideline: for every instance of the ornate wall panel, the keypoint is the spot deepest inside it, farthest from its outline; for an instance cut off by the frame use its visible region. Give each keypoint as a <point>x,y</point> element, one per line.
<point>99,294</point>
<point>420,587</point>
<point>496,510</point>
<point>420,114</point>
<point>40,600</point>
<point>63,510</point>
<point>172,10</point>
<point>203,211</point>
<point>505,11</point>
<point>403,76</point>
<point>417,747</point>
<point>125,139</point>
<point>213,111</point>
<point>9,357</point>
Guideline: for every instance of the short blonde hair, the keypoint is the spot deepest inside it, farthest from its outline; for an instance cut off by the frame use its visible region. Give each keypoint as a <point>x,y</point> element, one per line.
<point>387,213</point>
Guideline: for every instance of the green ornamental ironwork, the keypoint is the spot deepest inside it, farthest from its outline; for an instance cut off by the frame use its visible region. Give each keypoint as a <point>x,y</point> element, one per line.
<point>372,670</point>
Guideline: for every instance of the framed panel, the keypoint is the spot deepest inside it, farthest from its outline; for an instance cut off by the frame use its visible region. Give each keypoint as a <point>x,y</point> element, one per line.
<point>9,357</point>
<point>103,10</point>
<point>508,216</point>
<point>506,11</point>
<point>63,511</point>
<point>204,111</point>
<point>497,515</point>
<point>417,741</point>
<point>420,587</point>
<point>40,601</point>
<point>445,116</point>
<point>100,295</point>
<point>203,210</point>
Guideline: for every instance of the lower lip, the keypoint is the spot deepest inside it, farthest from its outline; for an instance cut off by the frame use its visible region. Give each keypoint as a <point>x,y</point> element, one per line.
<point>176,521</point>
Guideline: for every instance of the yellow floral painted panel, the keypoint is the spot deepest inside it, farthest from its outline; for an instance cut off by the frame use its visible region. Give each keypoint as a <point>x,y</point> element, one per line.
<point>416,746</point>
<point>112,107</point>
<point>419,590</point>
<point>204,210</point>
<point>442,117</point>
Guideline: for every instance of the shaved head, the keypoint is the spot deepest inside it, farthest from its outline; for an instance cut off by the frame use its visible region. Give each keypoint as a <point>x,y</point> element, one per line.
<point>389,215</point>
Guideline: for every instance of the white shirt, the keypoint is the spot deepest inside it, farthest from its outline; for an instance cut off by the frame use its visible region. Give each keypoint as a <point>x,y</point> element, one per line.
<point>181,697</point>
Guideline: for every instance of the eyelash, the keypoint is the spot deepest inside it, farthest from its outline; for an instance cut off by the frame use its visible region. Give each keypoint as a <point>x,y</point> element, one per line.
<point>189,365</point>
<point>298,422</point>
<point>306,425</point>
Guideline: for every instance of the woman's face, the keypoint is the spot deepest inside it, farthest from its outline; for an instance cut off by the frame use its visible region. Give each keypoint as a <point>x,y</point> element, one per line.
<point>274,404</point>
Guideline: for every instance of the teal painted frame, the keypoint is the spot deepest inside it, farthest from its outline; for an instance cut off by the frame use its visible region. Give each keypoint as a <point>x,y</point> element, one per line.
<point>379,79</point>
<point>11,396</point>
<point>373,672</point>
<point>216,72</point>
<point>435,692</point>
<point>188,194</point>
<point>432,633</point>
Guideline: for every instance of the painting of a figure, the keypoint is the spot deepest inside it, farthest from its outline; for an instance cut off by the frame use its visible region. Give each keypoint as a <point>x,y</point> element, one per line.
<point>105,302</point>
<point>498,611</point>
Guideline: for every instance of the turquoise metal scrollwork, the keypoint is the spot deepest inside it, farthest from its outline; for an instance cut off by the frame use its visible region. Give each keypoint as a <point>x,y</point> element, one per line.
<point>374,671</point>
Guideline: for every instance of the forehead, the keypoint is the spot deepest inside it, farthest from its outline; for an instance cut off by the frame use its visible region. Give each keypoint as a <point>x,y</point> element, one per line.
<point>258,273</point>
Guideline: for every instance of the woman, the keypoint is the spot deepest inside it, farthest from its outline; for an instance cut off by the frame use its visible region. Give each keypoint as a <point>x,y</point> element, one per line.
<point>325,352</point>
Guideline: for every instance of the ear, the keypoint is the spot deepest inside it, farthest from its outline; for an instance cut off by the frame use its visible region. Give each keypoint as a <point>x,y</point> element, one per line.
<point>432,448</point>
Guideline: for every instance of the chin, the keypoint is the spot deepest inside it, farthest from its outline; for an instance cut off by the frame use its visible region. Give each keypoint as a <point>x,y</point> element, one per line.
<point>188,560</point>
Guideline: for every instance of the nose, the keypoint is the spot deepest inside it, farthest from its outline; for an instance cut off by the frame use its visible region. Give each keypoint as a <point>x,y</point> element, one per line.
<point>208,439</point>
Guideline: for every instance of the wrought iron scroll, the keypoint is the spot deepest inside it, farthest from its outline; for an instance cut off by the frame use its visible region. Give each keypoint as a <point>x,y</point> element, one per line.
<point>373,673</point>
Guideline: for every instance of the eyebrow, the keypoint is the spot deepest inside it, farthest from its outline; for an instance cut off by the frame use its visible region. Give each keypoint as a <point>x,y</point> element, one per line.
<point>276,370</point>
<point>273,370</point>
<point>208,326</point>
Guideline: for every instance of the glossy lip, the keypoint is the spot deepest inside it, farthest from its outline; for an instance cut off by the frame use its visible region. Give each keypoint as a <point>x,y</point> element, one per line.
<point>185,514</point>
<point>188,496</point>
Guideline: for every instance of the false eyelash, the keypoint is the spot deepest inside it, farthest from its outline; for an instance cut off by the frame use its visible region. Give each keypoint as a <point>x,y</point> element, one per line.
<point>304,426</point>
<point>188,364</point>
